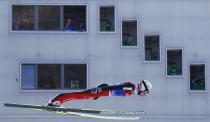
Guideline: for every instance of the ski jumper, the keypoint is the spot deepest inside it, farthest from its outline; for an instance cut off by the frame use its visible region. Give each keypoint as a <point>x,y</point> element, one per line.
<point>121,89</point>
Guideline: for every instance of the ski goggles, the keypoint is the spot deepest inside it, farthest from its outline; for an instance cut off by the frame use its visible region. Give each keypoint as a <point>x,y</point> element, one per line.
<point>146,91</point>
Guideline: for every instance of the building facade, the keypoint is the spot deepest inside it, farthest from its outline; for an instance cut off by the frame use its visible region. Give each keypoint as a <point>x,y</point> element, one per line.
<point>53,46</point>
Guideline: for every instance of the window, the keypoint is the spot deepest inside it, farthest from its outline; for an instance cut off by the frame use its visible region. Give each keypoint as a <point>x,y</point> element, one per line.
<point>152,48</point>
<point>49,76</point>
<point>74,18</point>
<point>107,18</point>
<point>53,76</point>
<point>71,18</point>
<point>28,76</point>
<point>129,33</point>
<point>75,76</point>
<point>174,62</point>
<point>49,18</point>
<point>197,77</point>
<point>23,17</point>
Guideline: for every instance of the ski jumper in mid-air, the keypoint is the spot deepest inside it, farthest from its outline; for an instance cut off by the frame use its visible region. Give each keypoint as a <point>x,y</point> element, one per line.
<point>141,88</point>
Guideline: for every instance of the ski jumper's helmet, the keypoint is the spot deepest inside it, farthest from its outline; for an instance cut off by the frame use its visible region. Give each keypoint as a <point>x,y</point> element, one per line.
<point>144,86</point>
<point>148,85</point>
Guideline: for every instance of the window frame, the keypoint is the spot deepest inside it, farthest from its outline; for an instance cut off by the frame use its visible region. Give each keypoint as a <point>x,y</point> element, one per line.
<point>11,17</point>
<point>160,47</point>
<point>37,16</point>
<point>36,5</point>
<point>36,63</point>
<point>87,15</point>
<point>166,65</point>
<point>137,29</point>
<point>197,91</point>
<point>99,22</point>
<point>20,76</point>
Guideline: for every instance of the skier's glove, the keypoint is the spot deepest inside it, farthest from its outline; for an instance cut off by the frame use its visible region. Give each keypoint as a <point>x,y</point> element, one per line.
<point>95,98</point>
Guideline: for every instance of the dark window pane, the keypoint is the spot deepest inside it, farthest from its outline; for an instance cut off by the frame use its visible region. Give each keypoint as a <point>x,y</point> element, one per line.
<point>152,48</point>
<point>75,76</point>
<point>49,76</point>
<point>129,33</point>
<point>75,18</point>
<point>107,20</point>
<point>22,17</point>
<point>49,17</point>
<point>28,76</point>
<point>174,62</point>
<point>197,77</point>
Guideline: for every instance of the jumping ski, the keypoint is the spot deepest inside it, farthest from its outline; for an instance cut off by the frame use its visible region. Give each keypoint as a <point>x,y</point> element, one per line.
<point>90,113</point>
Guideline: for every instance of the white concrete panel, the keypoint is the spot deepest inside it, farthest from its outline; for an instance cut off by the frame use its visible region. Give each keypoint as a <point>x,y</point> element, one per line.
<point>180,23</point>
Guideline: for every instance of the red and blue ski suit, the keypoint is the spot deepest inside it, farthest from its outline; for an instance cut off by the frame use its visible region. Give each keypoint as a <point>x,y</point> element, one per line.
<point>120,89</point>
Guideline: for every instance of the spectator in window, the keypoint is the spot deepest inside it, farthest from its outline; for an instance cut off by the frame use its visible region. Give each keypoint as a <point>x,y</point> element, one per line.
<point>154,55</point>
<point>82,27</point>
<point>201,84</point>
<point>15,21</point>
<point>173,69</point>
<point>128,40</point>
<point>109,26</point>
<point>15,25</point>
<point>106,25</point>
<point>197,84</point>
<point>193,82</point>
<point>70,25</point>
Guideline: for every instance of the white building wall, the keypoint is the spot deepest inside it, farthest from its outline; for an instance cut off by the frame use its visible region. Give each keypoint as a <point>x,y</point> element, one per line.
<point>180,24</point>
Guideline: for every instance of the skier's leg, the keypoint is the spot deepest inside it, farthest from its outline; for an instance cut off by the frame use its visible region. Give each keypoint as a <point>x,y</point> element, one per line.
<point>61,98</point>
<point>100,88</point>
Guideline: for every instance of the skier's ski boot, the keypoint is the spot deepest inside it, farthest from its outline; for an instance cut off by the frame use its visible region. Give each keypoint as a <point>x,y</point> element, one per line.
<point>54,104</point>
